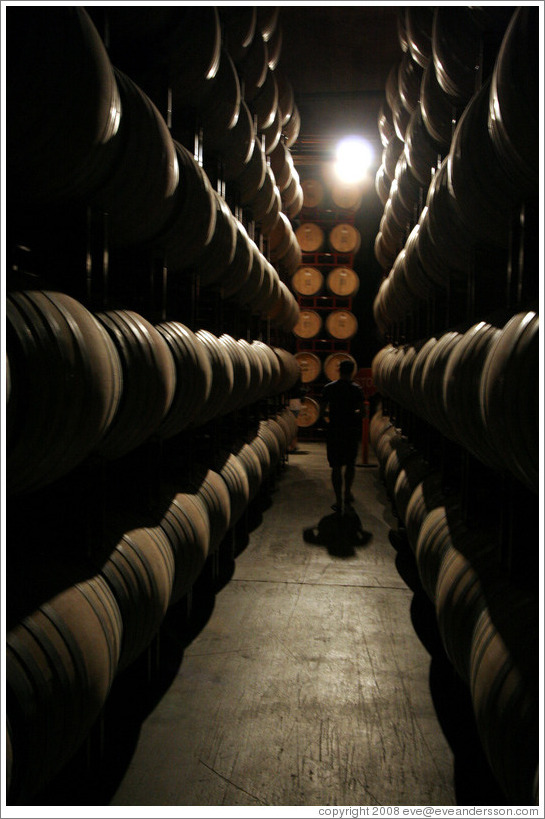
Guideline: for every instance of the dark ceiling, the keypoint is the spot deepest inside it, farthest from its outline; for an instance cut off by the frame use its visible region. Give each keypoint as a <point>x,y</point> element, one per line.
<point>337,59</point>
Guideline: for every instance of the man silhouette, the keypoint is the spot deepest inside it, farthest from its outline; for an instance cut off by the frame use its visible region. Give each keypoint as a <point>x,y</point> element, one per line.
<point>342,406</point>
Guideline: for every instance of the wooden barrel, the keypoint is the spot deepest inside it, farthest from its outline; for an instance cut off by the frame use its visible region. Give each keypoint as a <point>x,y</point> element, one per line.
<point>307,281</point>
<point>427,495</point>
<point>310,366</point>
<point>310,236</point>
<point>413,471</point>
<point>409,79</point>
<point>193,378</point>
<point>149,381</point>
<point>139,195</point>
<point>274,367</point>
<point>456,46</point>
<point>253,175</point>
<point>235,477</point>
<point>219,252</point>
<point>513,117</point>
<point>223,377</point>
<point>292,127</point>
<point>285,95</point>
<point>504,686</point>
<point>385,122</point>
<point>241,372</point>
<point>251,464</point>
<point>66,376</point>
<point>262,452</point>
<point>341,324</point>
<point>346,197</point>
<point>395,462</point>
<point>253,67</point>
<point>263,200</point>
<point>418,25</point>
<point>308,325</point>
<point>509,397</point>
<point>271,135</point>
<point>220,106</point>
<point>280,238</point>
<point>291,260</point>
<point>274,47</point>
<point>438,109</point>
<point>286,313</point>
<point>210,488</point>
<point>185,522</point>
<point>272,217</point>
<point>264,105</point>
<point>345,238</point>
<point>343,281</point>
<point>60,664</point>
<point>289,369</point>
<point>313,193</point>
<point>193,221</point>
<point>294,208</point>
<point>63,106</point>
<point>235,146</point>
<point>333,362</point>
<point>282,165</point>
<point>238,28</point>
<point>140,573</point>
<point>265,433</point>
<point>309,412</point>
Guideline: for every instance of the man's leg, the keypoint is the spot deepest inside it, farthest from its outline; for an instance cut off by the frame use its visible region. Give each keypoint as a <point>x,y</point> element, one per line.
<point>337,481</point>
<point>349,473</point>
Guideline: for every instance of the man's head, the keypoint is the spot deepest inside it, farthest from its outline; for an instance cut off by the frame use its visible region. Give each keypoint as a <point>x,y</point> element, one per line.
<point>346,369</point>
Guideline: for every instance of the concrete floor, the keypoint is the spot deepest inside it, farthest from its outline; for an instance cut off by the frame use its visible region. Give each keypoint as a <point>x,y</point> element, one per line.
<point>311,675</point>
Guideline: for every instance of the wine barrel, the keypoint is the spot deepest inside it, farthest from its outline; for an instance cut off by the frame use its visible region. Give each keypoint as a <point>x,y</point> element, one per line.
<point>235,276</point>
<point>271,135</point>
<point>292,127</point>
<point>343,281</point>
<point>285,95</point>
<point>218,254</point>
<point>309,412</point>
<point>292,258</point>
<point>60,664</point>
<point>313,193</point>
<point>513,119</point>
<point>418,25</point>
<point>263,201</point>
<point>391,154</point>
<point>149,381</point>
<point>333,362</point>
<point>294,208</point>
<point>253,67</point>
<point>308,325</point>
<point>504,685</point>
<point>264,105</point>
<point>341,324</point>
<point>421,150</point>
<point>241,372</point>
<point>267,20</point>
<point>235,476</point>
<point>238,25</point>
<point>208,485</point>
<point>289,369</point>
<point>66,375</point>
<point>192,52</point>
<point>63,106</point>
<point>344,238</point>
<point>385,123</point>
<point>509,396</point>
<point>185,522</point>
<point>409,79</point>
<point>193,221</point>
<point>222,378</point>
<point>456,48</point>
<point>310,237</point>
<point>274,47</point>
<point>193,378</point>
<point>382,184</point>
<point>219,105</point>
<point>427,495</point>
<point>310,366</point>
<point>140,573</point>
<point>276,375</point>
<point>486,197</point>
<point>286,312</point>
<point>265,434</point>
<point>139,193</point>
<point>439,110</point>
<point>251,464</point>
<point>346,197</point>
<point>412,473</point>
<point>271,219</point>
<point>253,175</point>
<point>308,281</point>
<point>234,147</point>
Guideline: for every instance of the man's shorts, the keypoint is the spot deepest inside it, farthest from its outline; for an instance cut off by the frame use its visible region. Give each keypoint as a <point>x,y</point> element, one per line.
<point>342,447</point>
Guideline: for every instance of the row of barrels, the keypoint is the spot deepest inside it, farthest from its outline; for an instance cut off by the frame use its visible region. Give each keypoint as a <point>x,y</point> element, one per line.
<point>221,64</point>
<point>102,141</point>
<point>312,366</point>
<point>343,237</point>
<point>62,658</point>
<point>488,167</point>
<point>339,324</point>
<point>487,625</point>
<point>477,386</point>
<point>104,383</point>
<point>339,281</point>
<point>318,194</point>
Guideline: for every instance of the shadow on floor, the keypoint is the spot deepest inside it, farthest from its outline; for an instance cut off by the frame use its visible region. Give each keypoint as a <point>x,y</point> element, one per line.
<point>341,534</point>
<point>474,782</point>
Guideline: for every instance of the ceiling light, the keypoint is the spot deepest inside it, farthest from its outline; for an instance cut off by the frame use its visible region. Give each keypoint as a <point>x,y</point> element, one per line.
<point>354,156</point>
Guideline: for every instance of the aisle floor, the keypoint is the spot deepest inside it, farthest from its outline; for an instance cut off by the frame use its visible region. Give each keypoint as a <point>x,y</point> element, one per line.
<point>310,674</point>
<point>308,684</point>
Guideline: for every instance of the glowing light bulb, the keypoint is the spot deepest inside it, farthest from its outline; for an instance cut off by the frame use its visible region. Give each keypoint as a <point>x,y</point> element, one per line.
<point>354,156</point>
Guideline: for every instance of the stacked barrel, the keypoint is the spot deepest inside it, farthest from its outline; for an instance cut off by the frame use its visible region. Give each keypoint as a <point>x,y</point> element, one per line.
<point>325,283</point>
<point>147,324</point>
<point>457,435</point>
